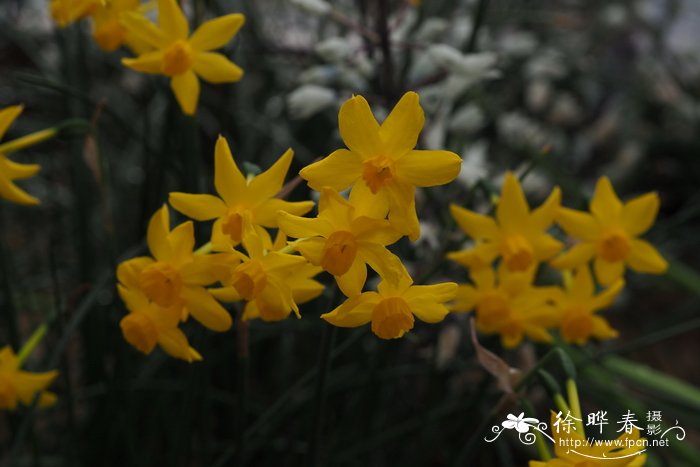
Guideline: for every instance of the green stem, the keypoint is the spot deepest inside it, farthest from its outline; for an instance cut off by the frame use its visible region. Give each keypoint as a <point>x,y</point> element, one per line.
<point>242,383</point>
<point>324,366</point>
<point>575,405</point>
<point>684,276</point>
<point>542,448</point>
<point>31,343</point>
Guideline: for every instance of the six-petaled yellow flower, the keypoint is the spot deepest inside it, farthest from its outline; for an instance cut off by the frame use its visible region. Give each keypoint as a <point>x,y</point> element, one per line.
<point>392,307</point>
<point>381,163</point>
<point>578,305</point>
<point>148,324</point>
<point>508,304</point>
<point>17,385</point>
<point>175,276</point>
<point>10,171</point>
<point>107,30</point>
<point>343,240</point>
<point>242,201</point>
<point>180,56</point>
<point>608,235</point>
<point>517,235</point>
<point>269,279</point>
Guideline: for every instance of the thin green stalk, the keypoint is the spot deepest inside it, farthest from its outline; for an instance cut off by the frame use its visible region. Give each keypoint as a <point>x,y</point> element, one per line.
<point>541,446</point>
<point>324,366</point>
<point>575,405</point>
<point>243,353</point>
<point>684,276</point>
<point>31,343</point>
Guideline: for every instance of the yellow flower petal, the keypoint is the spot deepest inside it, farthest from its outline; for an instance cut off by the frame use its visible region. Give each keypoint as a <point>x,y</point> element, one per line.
<point>367,203</point>
<point>605,205</point>
<point>582,286</point>
<point>225,294</point>
<point>29,384</point>
<point>384,262</point>
<point>149,62</point>
<point>578,254</point>
<point>401,129</point>
<point>645,258</point>
<point>228,179</point>
<point>205,309</point>
<point>358,127</point>
<point>198,207</point>
<point>129,271</point>
<point>603,330</point>
<point>512,211</point>
<point>335,209</point>
<point>606,272</point>
<point>186,89</point>
<point>12,192</point>
<point>157,234</point>
<point>302,227</point>
<point>181,240</point>
<point>338,170</point>
<point>352,282</point>
<point>171,20</point>
<point>7,116</point>
<point>216,68</point>
<point>266,213</point>
<point>16,171</point>
<point>638,214</point>
<point>270,182</point>
<point>578,224</point>
<point>355,311</point>
<point>143,30</point>
<point>607,296</point>
<point>545,246</point>
<point>174,343</point>
<point>427,301</point>
<point>376,231</point>
<point>475,225</point>
<point>216,33</point>
<point>543,216</point>
<point>312,249</point>
<point>428,168</point>
<point>402,213</point>
<point>465,299</point>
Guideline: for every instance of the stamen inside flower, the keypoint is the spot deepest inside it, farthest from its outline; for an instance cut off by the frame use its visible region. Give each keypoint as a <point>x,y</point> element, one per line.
<point>614,246</point>
<point>377,172</point>
<point>339,252</point>
<point>491,311</point>
<point>177,58</point>
<point>249,279</point>
<point>577,325</point>
<point>392,318</point>
<point>517,252</point>
<point>140,331</point>
<point>162,284</point>
<point>233,225</point>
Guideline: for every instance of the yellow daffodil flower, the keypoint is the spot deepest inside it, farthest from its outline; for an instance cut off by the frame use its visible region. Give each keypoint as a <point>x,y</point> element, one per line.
<point>66,12</point>
<point>508,304</point>
<point>22,386</point>
<point>516,235</point>
<point>148,324</point>
<point>608,235</point>
<point>578,305</point>
<point>241,201</point>
<point>391,308</point>
<point>175,276</point>
<point>10,171</point>
<point>183,57</point>
<point>107,30</point>
<point>381,164</point>
<point>342,240</point>
<point>269,279</point>
<point>618,453</point>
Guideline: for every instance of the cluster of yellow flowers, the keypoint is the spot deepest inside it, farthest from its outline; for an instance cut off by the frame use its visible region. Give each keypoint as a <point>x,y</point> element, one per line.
<point>163,49</point>
<point>504,298</point>
<point>381,167</point>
